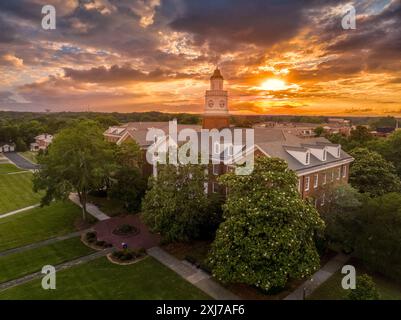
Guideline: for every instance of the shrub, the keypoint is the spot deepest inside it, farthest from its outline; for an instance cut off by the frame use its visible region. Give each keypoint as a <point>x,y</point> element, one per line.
<point>365,289</point>
<point>127,255</point>
<point>91,236</point>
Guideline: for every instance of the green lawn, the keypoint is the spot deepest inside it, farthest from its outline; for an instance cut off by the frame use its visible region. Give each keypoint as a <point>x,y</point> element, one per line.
<point>100,279</point>
<point>8,168</point>
<point>16,192</point>
<point>19,264</point>
<point>38,224</point>
<point>332,289</point>
<point>29,155</point>
<point>112,207</point>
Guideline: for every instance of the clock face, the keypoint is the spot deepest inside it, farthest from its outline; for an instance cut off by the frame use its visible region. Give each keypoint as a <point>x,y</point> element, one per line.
<point>211,103</point>
<point>222,103</point>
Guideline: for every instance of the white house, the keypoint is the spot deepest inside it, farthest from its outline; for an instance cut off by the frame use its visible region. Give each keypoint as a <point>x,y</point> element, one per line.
<point>7,147</point>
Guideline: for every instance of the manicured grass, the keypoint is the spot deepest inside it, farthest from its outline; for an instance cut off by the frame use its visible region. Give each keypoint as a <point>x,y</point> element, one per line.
<point>38,224</point>
<point>112,207</point>
<point>100,279</point>
<point>8,168</point>
<point>332,289</point>
<point>19,264</point>
<point>29,155</point>
<point>16,192</point>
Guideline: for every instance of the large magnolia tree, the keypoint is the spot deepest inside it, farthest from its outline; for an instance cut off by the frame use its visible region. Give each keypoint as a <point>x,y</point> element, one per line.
<point>176,204</point>
<point>78,160</point>
<point>268,233</point>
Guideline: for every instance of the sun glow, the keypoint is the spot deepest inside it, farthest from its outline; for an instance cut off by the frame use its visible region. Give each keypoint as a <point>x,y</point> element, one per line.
<point>274,85</point>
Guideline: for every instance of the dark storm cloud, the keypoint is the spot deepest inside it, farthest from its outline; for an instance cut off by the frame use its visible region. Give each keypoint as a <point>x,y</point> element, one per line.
<point>118,74</point>
<point>257,22</point>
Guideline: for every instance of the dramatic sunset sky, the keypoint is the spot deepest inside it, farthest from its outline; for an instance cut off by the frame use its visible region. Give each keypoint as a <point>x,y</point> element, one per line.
<point>278,57</point>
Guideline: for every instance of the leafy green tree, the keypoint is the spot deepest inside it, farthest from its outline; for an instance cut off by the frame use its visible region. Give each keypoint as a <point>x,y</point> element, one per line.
<point>378,235</point>
<point>339,214</point>
<point>129,155</point>
<point>361,135</point>
<point>176,204</point>
<point>371,173</point>
<point>78,160</point>
<point>129,187</point>
<point>20,144</point>
<point>319,131</point>
<point>365,289</point>
<point>268,231</point>
<point>390,149</point>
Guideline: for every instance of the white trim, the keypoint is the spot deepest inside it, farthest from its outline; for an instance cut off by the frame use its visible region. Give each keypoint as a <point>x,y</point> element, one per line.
<point>215,172</point>
<point>323,167</point>
<point>339,173</point>
<point>315,180</point>
<point>344,170</point>
<point>324,178</point>
<point>307,183</point>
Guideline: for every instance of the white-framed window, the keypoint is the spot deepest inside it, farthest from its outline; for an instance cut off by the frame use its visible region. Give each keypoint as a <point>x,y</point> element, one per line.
<point>307,182</point>
<point>332,176</point>
<point>307,159</point>
<point>338,152</point>
<point>323,199</point>
<point>324,178</point>
<point>216,169</point>
<point>299,184</point>
<point>344,171</point>
<point>324,155</point>
<point>316,201</point>
<point>315,180</point>
<point>215,187</point>
<point>338,173</point>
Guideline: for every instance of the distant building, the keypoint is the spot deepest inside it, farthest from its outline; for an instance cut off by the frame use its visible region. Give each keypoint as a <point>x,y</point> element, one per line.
<point>383,131</point>
<point>7,147</point>
<point>339,121</point>
<point>42,142</point>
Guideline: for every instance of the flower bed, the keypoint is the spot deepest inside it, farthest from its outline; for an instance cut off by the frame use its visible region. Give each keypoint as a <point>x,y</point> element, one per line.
<point>126,256</point>
<point>90,239</point>
<point>126,230</point>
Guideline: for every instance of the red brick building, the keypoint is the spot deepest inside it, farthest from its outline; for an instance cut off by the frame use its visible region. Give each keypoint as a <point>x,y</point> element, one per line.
<point>317,162</point>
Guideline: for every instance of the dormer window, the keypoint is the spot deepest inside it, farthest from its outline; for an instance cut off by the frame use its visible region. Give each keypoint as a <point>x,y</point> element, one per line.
<point>338,151</point>
<point>324,155</point>
<point>307,159</point>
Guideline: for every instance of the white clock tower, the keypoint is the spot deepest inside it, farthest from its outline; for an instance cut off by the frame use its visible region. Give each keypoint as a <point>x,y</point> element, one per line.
<point>216,115</point>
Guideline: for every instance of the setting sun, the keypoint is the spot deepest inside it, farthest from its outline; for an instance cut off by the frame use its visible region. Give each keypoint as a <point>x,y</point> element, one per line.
<point>273,85</point>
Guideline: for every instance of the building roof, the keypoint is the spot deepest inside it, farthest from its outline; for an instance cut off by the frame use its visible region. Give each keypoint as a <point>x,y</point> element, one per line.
<point>274,142</point>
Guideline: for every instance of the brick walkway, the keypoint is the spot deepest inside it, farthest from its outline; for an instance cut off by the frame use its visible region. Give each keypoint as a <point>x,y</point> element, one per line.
<point>193,275</point>
<point>145,239</point>
<point>319,277</point>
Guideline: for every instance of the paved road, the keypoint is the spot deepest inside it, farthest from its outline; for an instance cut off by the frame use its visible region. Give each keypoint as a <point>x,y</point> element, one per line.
<point>20,161</point>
